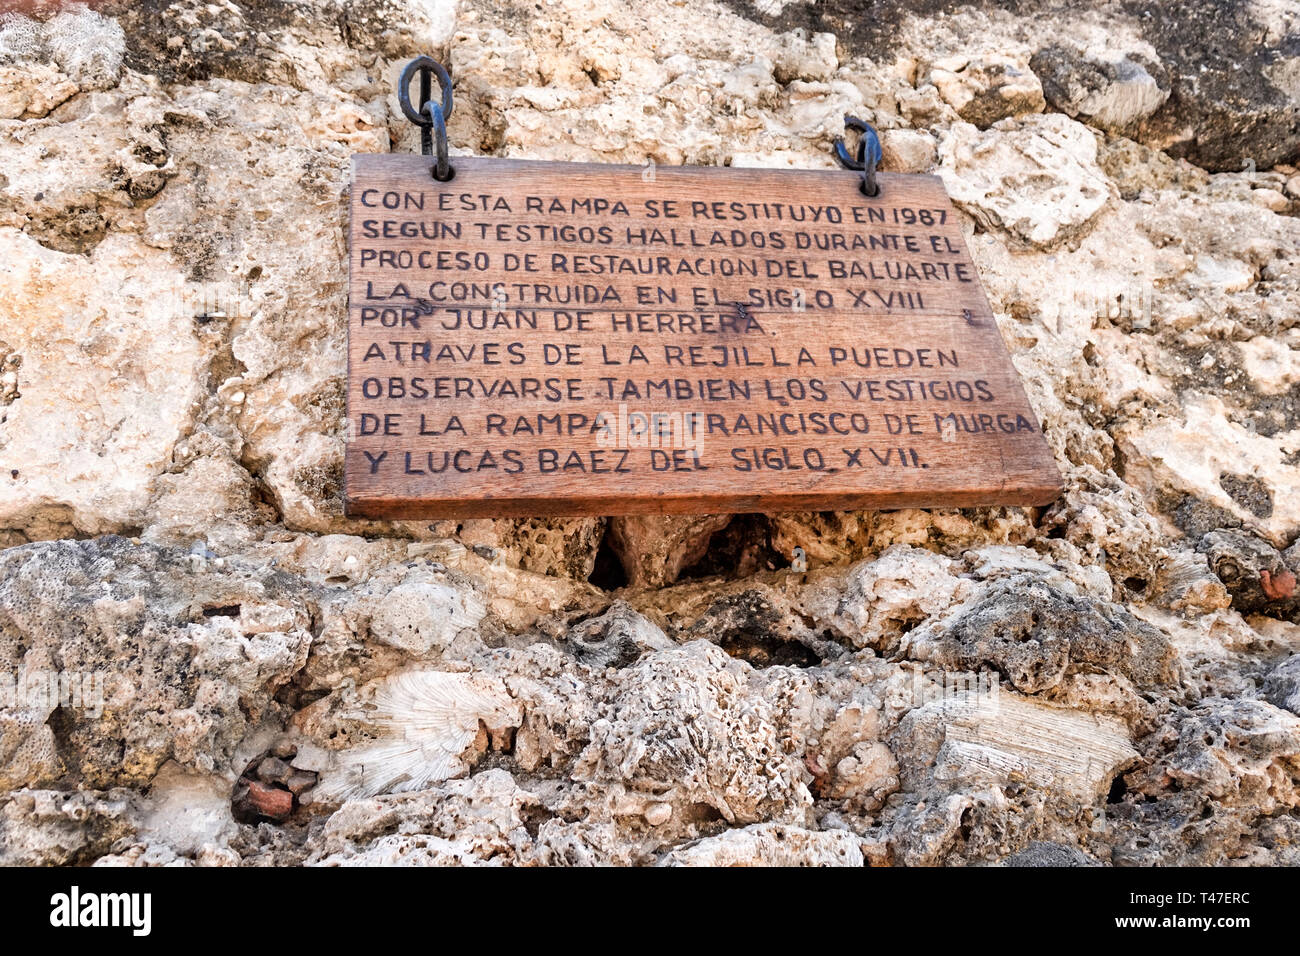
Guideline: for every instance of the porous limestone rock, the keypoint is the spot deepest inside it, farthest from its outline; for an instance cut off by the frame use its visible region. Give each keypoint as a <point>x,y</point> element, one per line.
<point>185,673</point>
<point>423,614</point>
<point>1230,66</point>
<point>58,828</point>
<point>1114,90</point>
<point>985,89</point>
<point>666,731</point>
<point>1283,685</point>
<point>1107,680</point>
<point>907,151</point>
<point>1032,634</point>
<point>1049,854</point>
<point>616,638</point>
<point>1034,179</point>
<point>770,844</point>
<point>655,549</point>
<point>998,737</point>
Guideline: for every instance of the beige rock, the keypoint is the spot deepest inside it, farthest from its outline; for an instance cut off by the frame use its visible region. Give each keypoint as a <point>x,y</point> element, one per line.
<point>1188,586</point>
<point>924,106</point>
<point>986,88</point>
<point>32,91</point>
<point>616,638</point>
<point>908,151</point>
<point>1270,199</point>
<point>805,57</point>
<point>1199,453</point>
<point>1272,362</point>
<point>1006,736</point>
<point>423,614</point>
<point>53,828</point>
<point>1035,178</point>
<point>84,45</point>
<point>107,385</point>
<point>658,814</point>
<point>876,601</point>
<point>636,740</point>
<point>171,355</point>
<point>865,777</point>
<point>655,549</point>
<point>189,813</point>
<point>1238,755</point>
<point>485,817</point>
<point>765,844</point>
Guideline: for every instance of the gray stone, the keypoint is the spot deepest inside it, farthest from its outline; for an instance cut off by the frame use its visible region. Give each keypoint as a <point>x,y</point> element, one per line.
<point>1282,686</point>
<point>1049,854</point>
<point>617,638</point>
<point>1113,91</point>
<point>1032,632</point>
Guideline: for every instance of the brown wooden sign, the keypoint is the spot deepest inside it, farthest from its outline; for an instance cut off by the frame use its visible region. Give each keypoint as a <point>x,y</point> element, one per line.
<point>536,338</point>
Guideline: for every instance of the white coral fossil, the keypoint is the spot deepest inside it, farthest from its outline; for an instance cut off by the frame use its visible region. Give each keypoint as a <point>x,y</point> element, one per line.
<point>427,720</point>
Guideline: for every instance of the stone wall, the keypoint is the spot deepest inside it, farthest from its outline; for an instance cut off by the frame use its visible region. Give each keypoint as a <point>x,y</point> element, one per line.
<point>1114,679</point>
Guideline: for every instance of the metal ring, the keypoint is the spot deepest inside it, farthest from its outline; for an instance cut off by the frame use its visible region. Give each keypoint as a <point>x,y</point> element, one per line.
<point>425,65</point>
<point>869,154</point>
<point>442,169</point>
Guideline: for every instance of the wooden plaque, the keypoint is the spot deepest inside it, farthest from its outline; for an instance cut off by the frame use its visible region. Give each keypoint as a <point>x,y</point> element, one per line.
<point>537,338</point>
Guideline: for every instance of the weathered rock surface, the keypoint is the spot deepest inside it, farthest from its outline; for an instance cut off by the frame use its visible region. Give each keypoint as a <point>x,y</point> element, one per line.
<point>987,88</point>
<point>1112,90</point>
<point>251,678</point>
<point>1228,67</point>
<point>1035,179</point>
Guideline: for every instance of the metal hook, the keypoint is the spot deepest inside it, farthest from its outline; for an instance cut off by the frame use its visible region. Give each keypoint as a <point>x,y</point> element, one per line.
<point>869,154</point>
<point>441,170</point>
<point>430,117</point>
